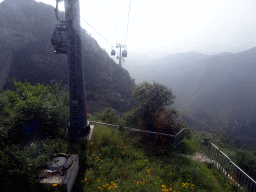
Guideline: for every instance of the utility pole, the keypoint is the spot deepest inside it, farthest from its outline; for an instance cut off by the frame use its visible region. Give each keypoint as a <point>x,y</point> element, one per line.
<point>119,45</point>
<point>79,126</point>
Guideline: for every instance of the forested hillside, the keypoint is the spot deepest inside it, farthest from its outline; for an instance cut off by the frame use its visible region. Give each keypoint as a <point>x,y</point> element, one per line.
<point>213,91</point>
<point>26,53</point>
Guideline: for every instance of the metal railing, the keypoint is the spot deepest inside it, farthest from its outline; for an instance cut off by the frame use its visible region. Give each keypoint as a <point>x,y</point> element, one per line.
<point>227,167</point>
<point>147,135</point>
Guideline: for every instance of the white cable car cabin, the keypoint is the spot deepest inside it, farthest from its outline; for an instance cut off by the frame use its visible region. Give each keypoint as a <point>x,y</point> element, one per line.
<point>113,52</point>
<point>59,39</point>
<point>124,53</point>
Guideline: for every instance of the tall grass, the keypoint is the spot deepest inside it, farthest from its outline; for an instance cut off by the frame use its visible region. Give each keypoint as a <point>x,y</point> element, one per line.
<point>122,163</point>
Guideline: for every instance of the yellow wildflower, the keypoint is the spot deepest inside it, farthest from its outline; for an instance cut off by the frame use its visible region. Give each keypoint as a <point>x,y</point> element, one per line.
<point>100,167</point>
<point>54,185</point>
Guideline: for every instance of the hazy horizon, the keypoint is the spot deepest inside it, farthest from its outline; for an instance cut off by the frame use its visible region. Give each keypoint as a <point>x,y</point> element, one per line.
<point>158,28</point>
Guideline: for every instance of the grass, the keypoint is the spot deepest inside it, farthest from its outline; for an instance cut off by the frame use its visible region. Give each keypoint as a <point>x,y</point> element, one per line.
<point>122,163</point>
<point>109,161</point>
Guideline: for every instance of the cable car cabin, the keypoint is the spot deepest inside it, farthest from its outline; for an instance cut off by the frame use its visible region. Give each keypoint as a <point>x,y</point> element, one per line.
<point>113,52</point>
<point>124,53</point>
<point>59,39</point>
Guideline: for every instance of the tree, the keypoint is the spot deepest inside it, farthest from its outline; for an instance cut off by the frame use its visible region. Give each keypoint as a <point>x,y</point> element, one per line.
<point>109,116</point>
<point>153,110</point>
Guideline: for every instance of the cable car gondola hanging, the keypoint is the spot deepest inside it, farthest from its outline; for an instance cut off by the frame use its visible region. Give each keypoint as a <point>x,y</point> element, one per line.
<point>59,35</point>
<point>124,53</point>
<point>59,39</point>
<point>113,52</point>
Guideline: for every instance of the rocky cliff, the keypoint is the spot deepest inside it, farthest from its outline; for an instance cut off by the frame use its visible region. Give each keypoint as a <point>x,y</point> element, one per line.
<point>26,53</point>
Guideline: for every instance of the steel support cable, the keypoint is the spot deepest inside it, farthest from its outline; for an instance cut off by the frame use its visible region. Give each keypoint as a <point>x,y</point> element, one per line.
<point>128,20</point>
<point>96,31</point>
<point>113,22</point>
<point>56,11</point>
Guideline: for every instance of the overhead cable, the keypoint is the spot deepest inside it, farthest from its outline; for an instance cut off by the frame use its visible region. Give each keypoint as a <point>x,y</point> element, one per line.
<point>96,31</point>
<point>112,21</point>
<point>128,20</point>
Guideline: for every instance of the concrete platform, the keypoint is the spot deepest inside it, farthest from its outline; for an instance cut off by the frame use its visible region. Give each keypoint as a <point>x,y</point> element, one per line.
<point>61,171</point>
<point>89,136</point>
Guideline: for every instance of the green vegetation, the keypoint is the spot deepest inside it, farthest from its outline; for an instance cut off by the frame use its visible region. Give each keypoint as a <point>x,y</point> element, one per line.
<point>33,121</point>
<point>243,157</point>
<point>152,111</point>
<point>120,162</point>
<point>108,116</point>
<point>123,163</point>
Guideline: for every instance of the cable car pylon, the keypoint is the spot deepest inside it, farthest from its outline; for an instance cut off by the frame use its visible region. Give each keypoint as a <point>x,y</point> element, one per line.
<point>66,39</point>
<point>122,53</point>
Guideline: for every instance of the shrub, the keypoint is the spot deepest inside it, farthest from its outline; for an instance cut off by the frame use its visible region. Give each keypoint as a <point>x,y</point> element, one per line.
<point>109,116</point>
<point>34,110</point>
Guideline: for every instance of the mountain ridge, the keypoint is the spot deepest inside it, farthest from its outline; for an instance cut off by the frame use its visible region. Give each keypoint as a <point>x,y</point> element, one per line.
<point>25,34</point>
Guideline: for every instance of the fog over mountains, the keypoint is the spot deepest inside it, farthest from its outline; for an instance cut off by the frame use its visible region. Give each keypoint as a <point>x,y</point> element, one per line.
<point>209,88</point>
<point>26,28</point>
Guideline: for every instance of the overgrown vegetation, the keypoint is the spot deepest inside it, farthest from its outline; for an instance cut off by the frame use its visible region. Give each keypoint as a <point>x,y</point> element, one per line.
<point>122,163</point>
<point>33,123</point>
<point>153,112</point>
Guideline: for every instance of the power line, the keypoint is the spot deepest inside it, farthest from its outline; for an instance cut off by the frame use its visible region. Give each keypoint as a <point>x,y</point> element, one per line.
<point>113,22</point>
<point>96,31</point>
<point>128,20</point>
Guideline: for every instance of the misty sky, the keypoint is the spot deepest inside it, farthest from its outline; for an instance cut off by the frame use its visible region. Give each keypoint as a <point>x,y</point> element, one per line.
<point>173,26</point>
